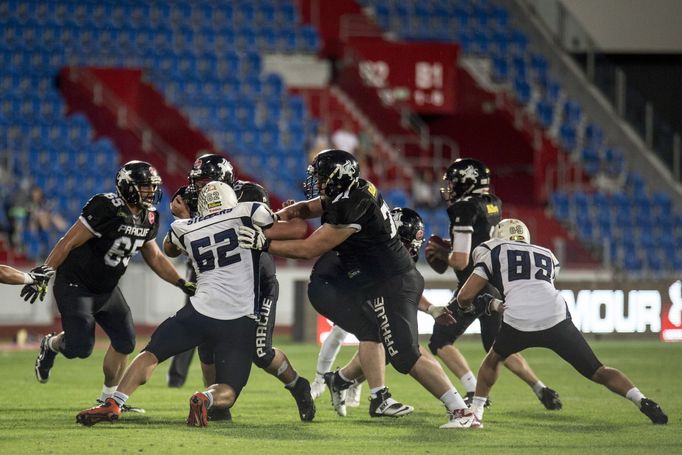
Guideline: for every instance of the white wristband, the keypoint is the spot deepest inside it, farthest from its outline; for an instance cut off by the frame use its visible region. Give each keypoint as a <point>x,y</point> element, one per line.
<point>27,278</point>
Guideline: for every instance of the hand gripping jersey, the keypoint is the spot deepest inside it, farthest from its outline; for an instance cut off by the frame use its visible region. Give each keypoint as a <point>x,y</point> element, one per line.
<point>476,214</point>
<point>524,274</point>
<point>375,251</point>
<point>100,262</point>
<point>227,275</point>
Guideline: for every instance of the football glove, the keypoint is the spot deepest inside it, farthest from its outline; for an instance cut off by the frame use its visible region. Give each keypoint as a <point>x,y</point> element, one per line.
<point>253,238</point>
<point>33,291</point>
<point>489,303</point>
<point>188,287</point>
<point>41,274</point>
<point>441,314</point>
<point>455,308</point>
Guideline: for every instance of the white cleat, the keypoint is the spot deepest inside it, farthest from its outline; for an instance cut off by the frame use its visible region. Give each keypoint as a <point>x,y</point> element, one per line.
<point>338,393</point>
<point>353,395</point>
<point>462,418</point>
<point>317,388</point>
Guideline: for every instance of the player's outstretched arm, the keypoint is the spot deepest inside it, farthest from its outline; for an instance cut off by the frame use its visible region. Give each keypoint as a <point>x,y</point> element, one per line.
<point>164,268</point>
<point>302,209</point>
<point>467,293</point>
<point>441,314</point>
<point>10,275</point>
<point>292,229</point>
<point>322,240</point>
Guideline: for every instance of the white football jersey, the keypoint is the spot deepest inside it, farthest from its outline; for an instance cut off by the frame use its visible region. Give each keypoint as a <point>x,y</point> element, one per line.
<point>227,275</point>
<point>524,274</point>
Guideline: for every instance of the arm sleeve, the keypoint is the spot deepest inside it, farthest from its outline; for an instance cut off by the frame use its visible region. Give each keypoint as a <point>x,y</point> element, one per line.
<point>261,215</point>
<point>175,233</point>
<point>99,213</point>
<point>462,216</point>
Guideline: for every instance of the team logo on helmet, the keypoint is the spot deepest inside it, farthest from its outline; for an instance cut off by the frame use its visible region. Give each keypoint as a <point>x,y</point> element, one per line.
<point>348,168</point>
<point>470,173</point>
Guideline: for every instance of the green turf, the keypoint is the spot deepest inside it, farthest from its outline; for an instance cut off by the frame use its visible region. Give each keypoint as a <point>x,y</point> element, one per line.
<point>37,418</point>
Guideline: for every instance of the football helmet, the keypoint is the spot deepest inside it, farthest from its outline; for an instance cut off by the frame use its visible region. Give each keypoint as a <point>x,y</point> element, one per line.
<point>211,168</point>
<point>410,229</point>
<point>331,173</point>
<point>251,192</point>
<point>512,229</point>
<point>464,177</point>
<point>132,176</point>
<point>214,197</point>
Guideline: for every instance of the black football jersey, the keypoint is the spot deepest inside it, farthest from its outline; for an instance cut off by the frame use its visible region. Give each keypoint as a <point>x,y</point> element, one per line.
<point>477,214</point>
<point>375,251</point>
<point>99,263</point>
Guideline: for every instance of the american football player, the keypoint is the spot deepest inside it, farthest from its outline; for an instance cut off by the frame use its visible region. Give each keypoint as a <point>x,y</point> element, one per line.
<point>534,314</point>
<point>357,224</point>
<point>220,314</point>
<point>473,213</point>
<point>90,259</point>
<point>271,359</point>
<point>208,167</point>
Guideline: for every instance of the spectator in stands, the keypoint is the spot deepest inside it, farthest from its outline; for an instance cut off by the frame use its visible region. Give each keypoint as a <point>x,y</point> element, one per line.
<point>424,189</point>
<point>18,213</point>
<point>345,138</point>
<point>321,142</point>
<point>43,219</point>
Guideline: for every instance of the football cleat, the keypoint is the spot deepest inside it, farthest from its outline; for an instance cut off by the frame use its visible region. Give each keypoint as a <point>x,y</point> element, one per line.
<point>337,389</point>
<point>353,395</point>
<point>107,412</point>
<point>304,399</point>
<point>469,399</point>
<point>198,410</point>
<point>216,414</point>
<point>126,408</point>
<point>317,388</point>
<point>462,418</point>
<point>550,399</point>
<point>652,410</point>
<point>45,359</point>
<point>385,406</point>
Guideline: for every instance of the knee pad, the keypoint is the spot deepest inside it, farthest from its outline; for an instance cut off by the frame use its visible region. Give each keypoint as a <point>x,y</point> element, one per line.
<point>123,346</point>
<point>403,361</point>
<point>262,357</point>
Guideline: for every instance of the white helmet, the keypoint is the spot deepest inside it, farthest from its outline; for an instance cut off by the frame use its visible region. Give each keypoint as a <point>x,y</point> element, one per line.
<point>214,197</point>
<point>512,229</point>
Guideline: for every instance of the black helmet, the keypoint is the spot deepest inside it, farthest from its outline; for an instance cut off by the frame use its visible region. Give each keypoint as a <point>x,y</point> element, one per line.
<point>410,229</point>
<point>251,192</point>
<point>331,173</point>
<point>211,168</point>
<point>463,177</point>
<point>131,177</point>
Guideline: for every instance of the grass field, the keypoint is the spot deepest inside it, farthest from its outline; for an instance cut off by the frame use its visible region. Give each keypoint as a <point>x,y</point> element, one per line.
<point>37,418</point>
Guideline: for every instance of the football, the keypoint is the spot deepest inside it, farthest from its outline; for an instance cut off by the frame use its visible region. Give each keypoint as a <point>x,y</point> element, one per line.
<point>437,252</point>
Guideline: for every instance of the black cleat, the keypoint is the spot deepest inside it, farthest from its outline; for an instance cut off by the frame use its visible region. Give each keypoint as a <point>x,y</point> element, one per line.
<point>45,359</point>
<point>385,406</point>
<point>216,414</point>
<point>652,410</point>
<point>469,399</point>
<point>304,400</point>
<point>550,399</point>
<point>337,388</point>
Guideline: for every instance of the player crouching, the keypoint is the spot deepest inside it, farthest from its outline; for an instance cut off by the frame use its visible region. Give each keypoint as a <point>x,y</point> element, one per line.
<point>534,315</point>
<point>221,313</point>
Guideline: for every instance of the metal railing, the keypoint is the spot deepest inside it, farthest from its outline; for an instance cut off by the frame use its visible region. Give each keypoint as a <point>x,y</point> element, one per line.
<point>125,118</point>
<point>611,80</point>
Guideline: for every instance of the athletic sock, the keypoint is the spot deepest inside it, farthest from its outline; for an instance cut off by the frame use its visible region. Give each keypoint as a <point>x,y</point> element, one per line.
<point>635,396</point>
<point>209,395</point>
<point>452,400</point>
<point>373,392</point>
<point>120,398</point>
<point>329,350</point>
<point>469,382</point>
<point>291,384</point>
<point>537,388</point>
<point>106,392</point>
<point>478,405</point>
<point>49,344</point>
